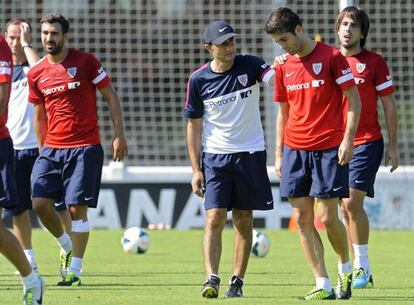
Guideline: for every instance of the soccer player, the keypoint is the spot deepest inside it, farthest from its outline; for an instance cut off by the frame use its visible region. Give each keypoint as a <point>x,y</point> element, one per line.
<point>62,86</point>
<point>373,80</point>
<point>312,150</point>
<point>222,107</point>
<point>20,125</point>
<point>9,246</point>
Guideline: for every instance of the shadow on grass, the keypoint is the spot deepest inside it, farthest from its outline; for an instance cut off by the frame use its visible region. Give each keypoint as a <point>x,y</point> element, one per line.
<point>387,298</point>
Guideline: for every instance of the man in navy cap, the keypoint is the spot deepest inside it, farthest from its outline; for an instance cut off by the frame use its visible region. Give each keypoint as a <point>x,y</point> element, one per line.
<point>227,150</point>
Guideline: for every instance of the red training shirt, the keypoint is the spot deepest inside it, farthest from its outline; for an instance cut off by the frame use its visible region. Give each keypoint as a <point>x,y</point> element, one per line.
<point>373,79</point>
<point>6,70</point>
<point>68,90</point>
<point>312,85</point>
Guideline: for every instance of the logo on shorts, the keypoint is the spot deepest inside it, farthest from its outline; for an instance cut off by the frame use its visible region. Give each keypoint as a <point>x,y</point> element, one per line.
<point>269,202</point>
<point>359,181</point>
<point>337,188</point>
<point>88,198</point>
<point>243,79</point>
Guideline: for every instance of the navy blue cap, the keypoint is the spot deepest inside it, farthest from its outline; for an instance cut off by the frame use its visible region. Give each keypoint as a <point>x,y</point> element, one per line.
<point>218,32</point>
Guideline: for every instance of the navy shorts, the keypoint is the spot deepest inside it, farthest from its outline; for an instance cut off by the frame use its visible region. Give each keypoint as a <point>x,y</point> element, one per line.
<point>71,174</point>
<point>313,173</point>
<point>8,189</point>
<point>237,180</point>
<point>24,160</point>
<point>364,166</point>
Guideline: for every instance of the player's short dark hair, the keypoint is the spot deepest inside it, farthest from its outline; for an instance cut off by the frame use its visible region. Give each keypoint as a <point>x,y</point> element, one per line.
<point>359,17</point>
<point>282,20</point>
<point>56,18</point>
<point>17,21</point>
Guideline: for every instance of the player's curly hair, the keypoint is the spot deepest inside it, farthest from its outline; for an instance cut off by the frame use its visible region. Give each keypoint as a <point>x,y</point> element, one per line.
<point>282,20</point>
<point>359,17</point>
<point>56,18</point>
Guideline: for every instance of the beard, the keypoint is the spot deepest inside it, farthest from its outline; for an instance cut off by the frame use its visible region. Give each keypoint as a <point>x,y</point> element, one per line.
<point>57,47</point>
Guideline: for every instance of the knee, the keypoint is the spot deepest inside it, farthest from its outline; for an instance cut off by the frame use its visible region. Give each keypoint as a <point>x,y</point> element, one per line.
<point>215,221</point>
<point>242,220</point>
<point>329,219</point>
<point>303,219</point>
<point>352,210</point>
<point>42,208</point>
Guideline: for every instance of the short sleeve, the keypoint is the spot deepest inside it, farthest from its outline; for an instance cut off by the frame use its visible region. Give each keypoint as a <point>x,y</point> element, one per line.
<point>194,107</point>
<point>262,70</point>
<point>383,79</point>
<point>5,64</point>
<point>279,94</point>
<point>341,71</point>
<point>99,77</point>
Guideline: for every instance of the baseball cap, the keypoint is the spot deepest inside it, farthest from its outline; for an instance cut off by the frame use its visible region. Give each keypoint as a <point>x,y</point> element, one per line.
<point>218,32</point>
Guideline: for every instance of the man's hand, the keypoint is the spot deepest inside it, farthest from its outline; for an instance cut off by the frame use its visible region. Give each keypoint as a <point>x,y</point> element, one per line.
<point>119,149</point>
<point>392,157</point>
<point>345,152</point>
<point>26,35</point>
<point>197,183</point>
<point>278,166</point>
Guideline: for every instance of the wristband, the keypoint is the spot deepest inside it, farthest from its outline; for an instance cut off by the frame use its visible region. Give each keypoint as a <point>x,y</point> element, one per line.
<point>27,46</point>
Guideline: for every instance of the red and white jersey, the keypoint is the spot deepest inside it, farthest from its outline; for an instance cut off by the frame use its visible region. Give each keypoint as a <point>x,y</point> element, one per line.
<point>373,79</point>
<point>68,90</point>
<point>6,69</point>
<point>312,85</point>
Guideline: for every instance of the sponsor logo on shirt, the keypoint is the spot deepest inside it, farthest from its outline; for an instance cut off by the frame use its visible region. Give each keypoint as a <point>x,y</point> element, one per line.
<point>218,103</point>
<point>73,85</point>
<point>296,87</point>
<point>4,63</point>
<point>317,83</point>
<point>49,91</point>
<point>346,71</point>
<point>314,84</point>
<point>359,80</point>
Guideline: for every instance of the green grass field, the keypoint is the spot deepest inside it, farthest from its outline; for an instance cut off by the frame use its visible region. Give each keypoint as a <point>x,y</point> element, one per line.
<point>171,272</point>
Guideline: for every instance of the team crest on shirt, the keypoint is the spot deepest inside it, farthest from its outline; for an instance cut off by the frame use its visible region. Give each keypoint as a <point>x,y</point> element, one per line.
<point>72,71</point>
<point>243,79</point>
<point>317,68</point>
<point>360,67</point>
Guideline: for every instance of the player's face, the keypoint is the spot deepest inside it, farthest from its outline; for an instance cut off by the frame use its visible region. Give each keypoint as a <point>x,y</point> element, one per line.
<point>349,33</point>
<point>288,42</point>
<point>52,37</point>
<point>13,38</point>
<point>225,52</point>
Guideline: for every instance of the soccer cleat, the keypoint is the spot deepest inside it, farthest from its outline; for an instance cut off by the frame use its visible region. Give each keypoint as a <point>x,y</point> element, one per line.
<point>235,288</point>
<point>34,295</point>
<point>65,260</point>
<point>319,294</point>
<point>211,287</point>
<point>343,290</point>
<point>70,280</point>
<point>361,279</point>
